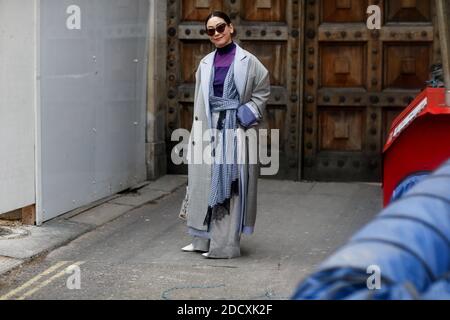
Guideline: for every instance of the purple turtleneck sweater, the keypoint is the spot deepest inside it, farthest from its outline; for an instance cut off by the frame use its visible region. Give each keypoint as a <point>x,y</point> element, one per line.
<point>222,62</point>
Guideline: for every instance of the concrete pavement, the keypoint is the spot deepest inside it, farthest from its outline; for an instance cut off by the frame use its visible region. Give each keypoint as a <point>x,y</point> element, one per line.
<point>136,255</point>
<point>23,243</point>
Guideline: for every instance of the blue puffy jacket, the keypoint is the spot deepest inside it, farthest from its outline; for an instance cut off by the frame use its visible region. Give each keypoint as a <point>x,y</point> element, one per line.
<point>409,243</point>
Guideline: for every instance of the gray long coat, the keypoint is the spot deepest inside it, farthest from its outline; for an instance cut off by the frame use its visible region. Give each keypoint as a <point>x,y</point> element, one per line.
<point>253,84</point>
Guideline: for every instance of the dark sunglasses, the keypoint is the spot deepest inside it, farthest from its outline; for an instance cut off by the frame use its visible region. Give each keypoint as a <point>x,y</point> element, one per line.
<point>219,28</point>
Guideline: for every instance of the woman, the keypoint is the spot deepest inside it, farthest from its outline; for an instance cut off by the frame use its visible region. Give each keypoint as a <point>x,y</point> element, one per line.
<point>232,88</point>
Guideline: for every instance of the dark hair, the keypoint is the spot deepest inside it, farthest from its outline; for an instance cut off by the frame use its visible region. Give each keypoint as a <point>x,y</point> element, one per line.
<point>219,14</point>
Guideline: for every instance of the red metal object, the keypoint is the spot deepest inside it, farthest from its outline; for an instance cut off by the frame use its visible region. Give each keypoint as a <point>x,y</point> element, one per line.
<point>419,140</point>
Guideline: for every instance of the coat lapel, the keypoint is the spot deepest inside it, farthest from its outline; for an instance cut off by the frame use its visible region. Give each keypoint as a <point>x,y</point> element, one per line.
<point>206,71</point>
<point>240,70</point>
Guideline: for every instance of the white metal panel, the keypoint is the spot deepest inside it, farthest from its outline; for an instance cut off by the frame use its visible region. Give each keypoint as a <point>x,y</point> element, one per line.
<point>17,102</point>
<point>92,102</point>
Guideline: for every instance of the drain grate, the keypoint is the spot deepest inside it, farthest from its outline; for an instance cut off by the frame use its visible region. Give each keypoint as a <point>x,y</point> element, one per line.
<point>4,232</point>
<point>7,233</point>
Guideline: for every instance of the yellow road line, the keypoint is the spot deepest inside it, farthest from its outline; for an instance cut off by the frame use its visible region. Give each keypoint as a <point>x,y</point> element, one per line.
<point>32,281</point>
<point>48,281</point>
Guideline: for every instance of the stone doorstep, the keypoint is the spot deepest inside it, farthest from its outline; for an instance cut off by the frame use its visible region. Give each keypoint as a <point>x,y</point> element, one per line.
<point>87,208</point>
<point>167,183</point>
<point>139,199</point>
<point>102,214</point>
<point>116,207</point>
<point>147,191</point>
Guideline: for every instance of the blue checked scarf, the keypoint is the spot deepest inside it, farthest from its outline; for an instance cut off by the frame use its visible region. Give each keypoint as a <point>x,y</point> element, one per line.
<point>223,173</point>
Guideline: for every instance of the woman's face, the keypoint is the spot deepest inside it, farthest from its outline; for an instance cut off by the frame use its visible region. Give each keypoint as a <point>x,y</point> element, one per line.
<point>220,40</point>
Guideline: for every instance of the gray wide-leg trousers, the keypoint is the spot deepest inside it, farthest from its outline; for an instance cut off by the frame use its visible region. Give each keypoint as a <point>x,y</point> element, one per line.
<point>225,236</point>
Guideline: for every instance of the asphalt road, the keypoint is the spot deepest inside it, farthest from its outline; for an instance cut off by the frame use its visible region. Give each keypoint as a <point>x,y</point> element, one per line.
<point>138,256</point>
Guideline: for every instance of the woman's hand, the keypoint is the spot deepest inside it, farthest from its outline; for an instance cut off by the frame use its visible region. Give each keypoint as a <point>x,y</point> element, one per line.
<point>246,116</point>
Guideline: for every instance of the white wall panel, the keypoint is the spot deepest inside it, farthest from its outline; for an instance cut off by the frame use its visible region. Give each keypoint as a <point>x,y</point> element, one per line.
<point>17,104</point>
<point>92,101</point>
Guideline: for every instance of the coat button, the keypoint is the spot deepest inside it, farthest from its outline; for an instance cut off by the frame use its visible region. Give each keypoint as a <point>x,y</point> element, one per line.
<point>213,139</point>
<point>196,118</point>
<point>213,153</point>
<point>193,143</point>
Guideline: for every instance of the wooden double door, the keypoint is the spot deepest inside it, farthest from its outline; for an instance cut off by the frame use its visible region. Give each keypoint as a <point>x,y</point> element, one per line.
<point>336,85</point>
<point>358,80</point>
